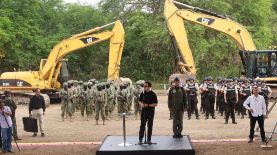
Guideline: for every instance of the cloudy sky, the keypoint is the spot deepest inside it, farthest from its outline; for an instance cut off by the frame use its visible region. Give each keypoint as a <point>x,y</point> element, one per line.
<point>92,2</point>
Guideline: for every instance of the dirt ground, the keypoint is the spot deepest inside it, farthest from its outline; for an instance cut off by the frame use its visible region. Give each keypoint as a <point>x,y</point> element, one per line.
<point>81,130</point>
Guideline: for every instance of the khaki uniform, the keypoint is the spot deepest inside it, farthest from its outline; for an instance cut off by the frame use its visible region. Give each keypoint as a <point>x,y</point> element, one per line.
<point>101,102</point>
<point>66,105</point>
<point>121,101</point>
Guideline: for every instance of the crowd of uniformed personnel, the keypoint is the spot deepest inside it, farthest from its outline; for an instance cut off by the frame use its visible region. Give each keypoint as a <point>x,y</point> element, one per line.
<point>99,98</point>
<point>226,96</point>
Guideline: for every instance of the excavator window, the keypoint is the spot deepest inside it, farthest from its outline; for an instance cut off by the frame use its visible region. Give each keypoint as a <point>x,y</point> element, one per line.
<point>266,64</point>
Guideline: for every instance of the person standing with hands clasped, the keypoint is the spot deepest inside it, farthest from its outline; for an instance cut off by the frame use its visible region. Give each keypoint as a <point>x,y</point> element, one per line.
<point>148,102</point>
<point>177,100</point>
<point>37,110</point>
<point>6,127</point>
<point>256,105</point>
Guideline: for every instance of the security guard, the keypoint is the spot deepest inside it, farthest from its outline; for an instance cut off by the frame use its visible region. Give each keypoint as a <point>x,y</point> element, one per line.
<point>210,93</point>
<point>203,95</point>
<point>231,98</point>
<point>191,89</point>
<point>265,91</point>
<point>245,92</point>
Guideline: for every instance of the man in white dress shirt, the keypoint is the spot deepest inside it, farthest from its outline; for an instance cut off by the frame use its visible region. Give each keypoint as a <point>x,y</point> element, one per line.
<point>256,105</point>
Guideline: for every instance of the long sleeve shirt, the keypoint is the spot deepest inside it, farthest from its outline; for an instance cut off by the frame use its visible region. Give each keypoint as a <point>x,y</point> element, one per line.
<point>257,104</point>
<point>36,102</point>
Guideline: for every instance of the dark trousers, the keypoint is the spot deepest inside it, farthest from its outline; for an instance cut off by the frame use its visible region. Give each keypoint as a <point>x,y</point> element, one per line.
<point>242,109</point>
<point>266,104</point>
<point>147,115</point>
<point>192,105</point>
<point>209,105</point>
<point>1,145</point>
<point>260,120</point>
<point>222,105</point>
<point>230,109</point>
<point>178,121</point>
<point>202,107</point>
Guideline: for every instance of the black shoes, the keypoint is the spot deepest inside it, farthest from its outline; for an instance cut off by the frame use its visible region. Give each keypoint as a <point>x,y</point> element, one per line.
<point>234,122</point>
<point>213,117</point>
<point>42,135</point>
<point>34,135</point>
<point>10,151</point>
<point>177,135</point>
<point>250,141</point>
<point>140,142</point>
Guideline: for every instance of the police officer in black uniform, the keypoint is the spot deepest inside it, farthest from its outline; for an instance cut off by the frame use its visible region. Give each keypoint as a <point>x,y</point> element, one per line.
<point>231,97</point>
<point>210,93</point>
<point>265,91</point>
<point>192,89</point>
<point>245,92</point>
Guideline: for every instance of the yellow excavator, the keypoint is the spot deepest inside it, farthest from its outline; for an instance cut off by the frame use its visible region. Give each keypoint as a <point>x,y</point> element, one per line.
<point>46,79</point>
<point>260,64</point>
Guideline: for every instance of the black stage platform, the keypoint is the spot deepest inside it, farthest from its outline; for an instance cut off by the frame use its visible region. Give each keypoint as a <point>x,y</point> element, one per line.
<point>166,145</point>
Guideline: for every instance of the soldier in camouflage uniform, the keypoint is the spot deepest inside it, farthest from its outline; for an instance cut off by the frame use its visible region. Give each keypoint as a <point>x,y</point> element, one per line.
<point>84,99</point>
<point>121,99</point>
<point>11,104</point>
<point>138,90</point>
<point>110,97</point>
<point>91,100</point>
<point>79,95</point>
<point>130,96</point>
<point>100,102</point>
<point>75,98</point>
<point>113,90</point>
<point>66,105</point>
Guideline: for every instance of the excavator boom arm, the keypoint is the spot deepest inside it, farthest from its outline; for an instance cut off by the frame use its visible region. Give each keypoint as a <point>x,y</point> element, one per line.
<point>83,40</point>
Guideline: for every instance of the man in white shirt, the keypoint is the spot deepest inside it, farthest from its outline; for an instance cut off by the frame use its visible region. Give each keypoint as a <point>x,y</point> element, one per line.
<point>256,105</point>
<point>6,127</point>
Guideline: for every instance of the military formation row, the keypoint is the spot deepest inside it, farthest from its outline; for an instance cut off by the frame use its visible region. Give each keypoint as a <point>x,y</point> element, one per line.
<point>226,96</point>
<point>99,98</point>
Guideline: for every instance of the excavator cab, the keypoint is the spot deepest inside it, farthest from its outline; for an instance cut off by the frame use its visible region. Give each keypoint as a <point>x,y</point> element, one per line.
<point>260,64</point>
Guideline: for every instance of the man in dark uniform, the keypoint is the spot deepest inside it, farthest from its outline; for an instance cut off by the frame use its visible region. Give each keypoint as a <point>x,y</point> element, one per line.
<point>191,89</point>
<point>203,95</point>
<point>245,92</point>
<point>265,91</point>
<point>231,98</point>
<point>12,105</point>
<point>148,101</point>
<point>220,96</point>
<point>211,93</point>
<point>177,104</point>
